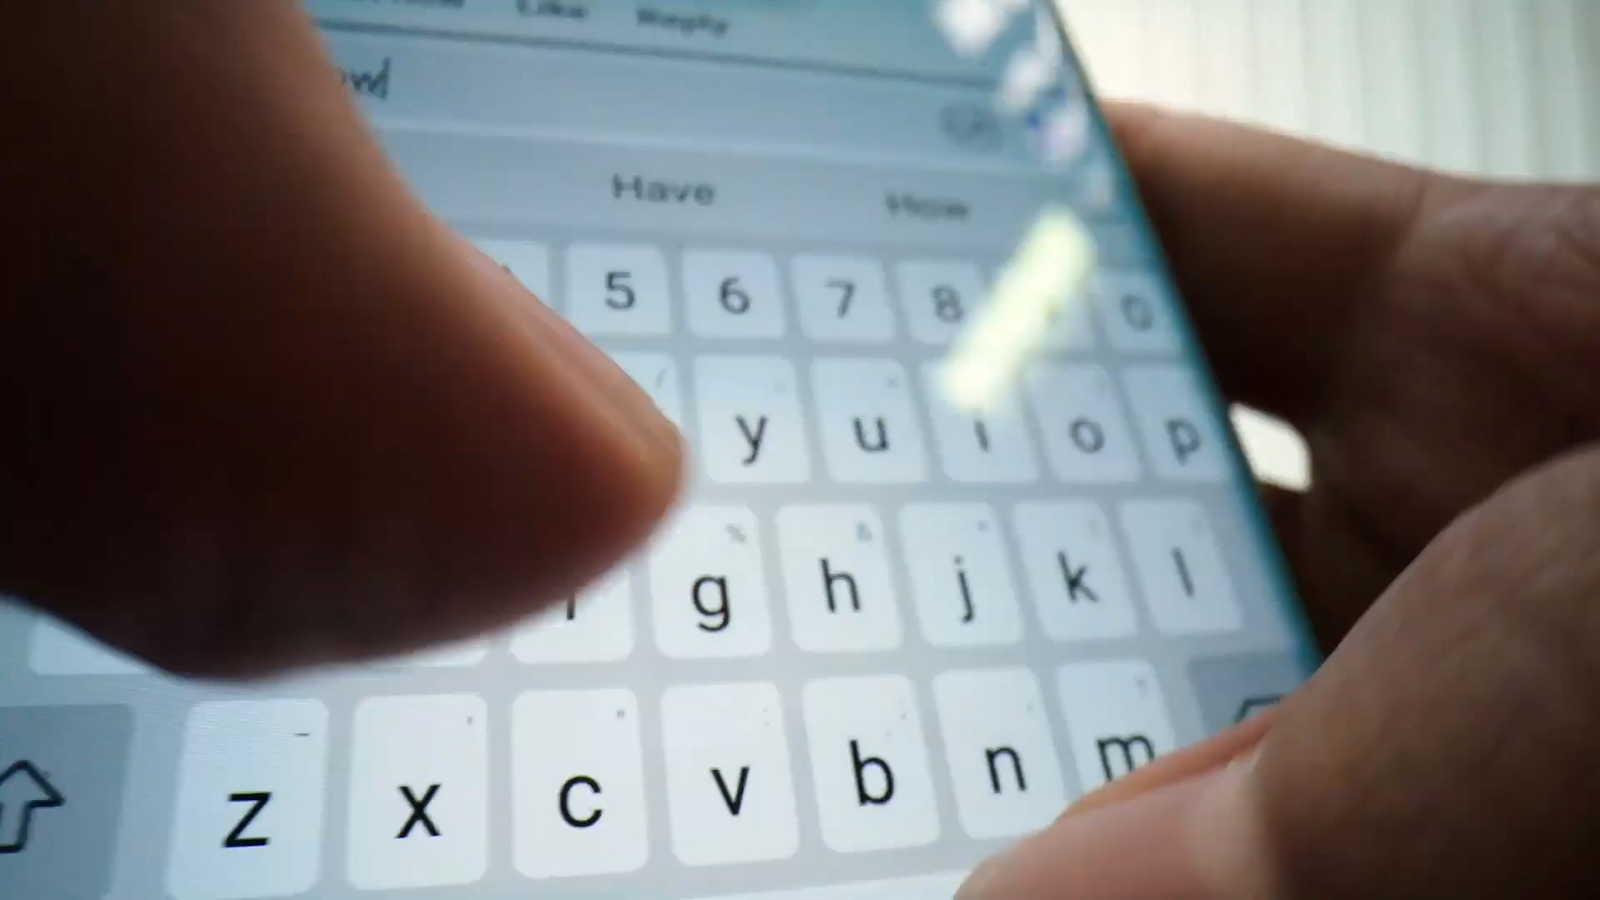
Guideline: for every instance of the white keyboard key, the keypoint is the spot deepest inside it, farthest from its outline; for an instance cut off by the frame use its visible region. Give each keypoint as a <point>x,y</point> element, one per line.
<point>750,429</point>
<point>450,656</point>
<point>617,289</point>
<point>836,578</point>
<point>869,764</point>
<point>842,298</point>
<point>868,422</point>
<point>1002,759</point>
<point>990,449</point>
<point>732,294</point>
<point>248,821</point>
<point>657,375</point>
<point>1185,581</point>
<point>1077,581</point>
<point>939,297</point>
<point>1072,328</point>
<point>56,648</point>
<point>1137,311</point>
<point>419,794</point>
<point>1086,435</point>
<point>707,585</point>
<point>1116,718</point>
<point>577,784</point>
<point>960,579</point>
<point>1182,436</point>
<point>595,626</point>
<point>939,885</point>
<point>730,794</point>
<point>527,261</point>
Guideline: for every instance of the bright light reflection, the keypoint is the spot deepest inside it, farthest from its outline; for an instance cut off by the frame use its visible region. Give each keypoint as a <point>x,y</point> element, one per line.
<point>1045,276</point>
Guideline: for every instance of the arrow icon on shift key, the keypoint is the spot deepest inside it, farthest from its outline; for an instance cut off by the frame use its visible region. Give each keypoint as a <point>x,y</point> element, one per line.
<point>23,789</point>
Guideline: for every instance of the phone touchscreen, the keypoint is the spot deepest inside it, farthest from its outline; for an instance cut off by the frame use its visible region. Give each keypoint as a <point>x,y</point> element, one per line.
<point>884,633</point>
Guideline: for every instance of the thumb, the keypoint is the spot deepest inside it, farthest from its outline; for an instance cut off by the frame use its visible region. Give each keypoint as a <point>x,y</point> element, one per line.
<point>263,409</point>
<point>1446,748</point>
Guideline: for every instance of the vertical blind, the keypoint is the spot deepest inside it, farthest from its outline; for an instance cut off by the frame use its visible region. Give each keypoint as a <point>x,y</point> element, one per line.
<point>1507,89</point>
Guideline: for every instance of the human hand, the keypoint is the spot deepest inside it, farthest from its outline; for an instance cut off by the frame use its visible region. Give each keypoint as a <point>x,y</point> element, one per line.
<point>1437,342</point>
<point>262,409</point>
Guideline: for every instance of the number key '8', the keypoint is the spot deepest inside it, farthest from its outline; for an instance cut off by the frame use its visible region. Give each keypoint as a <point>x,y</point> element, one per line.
<point>938,297</point>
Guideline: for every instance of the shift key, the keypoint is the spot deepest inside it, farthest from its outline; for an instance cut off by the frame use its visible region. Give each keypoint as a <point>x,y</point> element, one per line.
<point>62,770</point>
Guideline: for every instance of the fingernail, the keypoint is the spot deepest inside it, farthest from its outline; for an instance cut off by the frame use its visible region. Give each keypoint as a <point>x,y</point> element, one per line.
<point>627,404</point>
<point>1194,838</point>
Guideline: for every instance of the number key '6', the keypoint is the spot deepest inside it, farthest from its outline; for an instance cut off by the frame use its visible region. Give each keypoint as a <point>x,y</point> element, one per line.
<point>732,294</point>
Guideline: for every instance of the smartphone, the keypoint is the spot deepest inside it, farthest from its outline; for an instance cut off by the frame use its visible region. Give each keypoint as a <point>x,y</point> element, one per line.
<point>880,639</point>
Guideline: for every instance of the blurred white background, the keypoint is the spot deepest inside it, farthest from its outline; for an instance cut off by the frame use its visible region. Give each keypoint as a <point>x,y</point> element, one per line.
<point>1502,88</point>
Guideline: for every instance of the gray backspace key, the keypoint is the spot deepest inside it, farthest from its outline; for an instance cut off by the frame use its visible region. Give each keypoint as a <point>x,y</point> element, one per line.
<point>1233,688</point>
